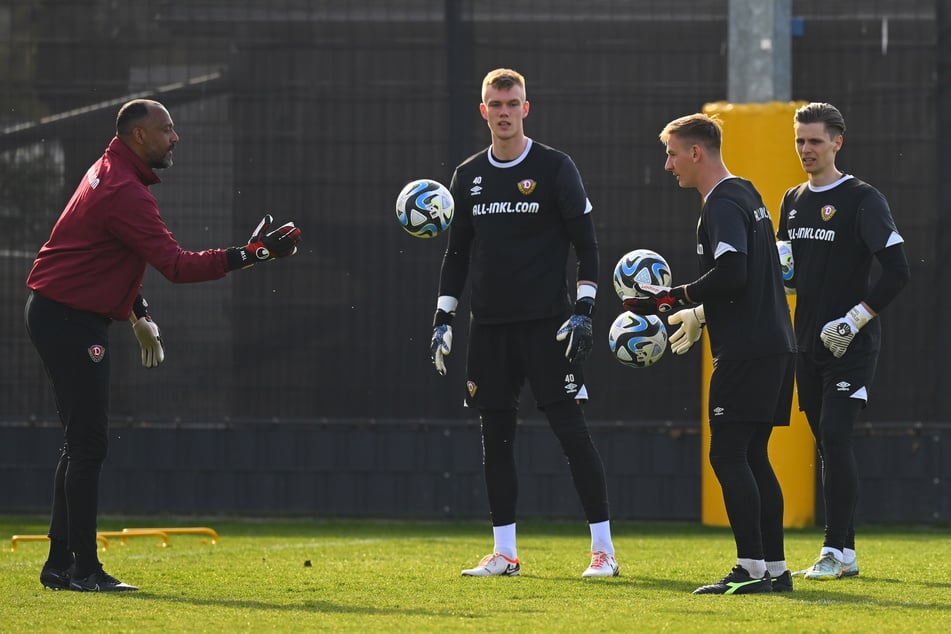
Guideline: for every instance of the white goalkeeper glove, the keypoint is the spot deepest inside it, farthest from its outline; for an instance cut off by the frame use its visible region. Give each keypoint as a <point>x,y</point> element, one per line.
<point>839,333</point>
<point>441,346</point>
<point>691,322</point>
<point>150,340</point>
<point>147,332</point>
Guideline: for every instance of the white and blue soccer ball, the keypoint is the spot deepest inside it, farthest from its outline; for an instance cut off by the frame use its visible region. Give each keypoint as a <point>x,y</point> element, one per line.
<point>786,259</point>
<point>637,341</point>
<point>425,208</point>
<point>640,265</point>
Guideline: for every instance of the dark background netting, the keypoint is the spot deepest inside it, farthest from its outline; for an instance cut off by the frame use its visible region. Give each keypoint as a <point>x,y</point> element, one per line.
<point>320,111</point>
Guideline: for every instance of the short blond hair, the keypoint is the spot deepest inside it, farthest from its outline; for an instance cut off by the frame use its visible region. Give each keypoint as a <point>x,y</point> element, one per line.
<point>699,129</point>
<point>503,79</point>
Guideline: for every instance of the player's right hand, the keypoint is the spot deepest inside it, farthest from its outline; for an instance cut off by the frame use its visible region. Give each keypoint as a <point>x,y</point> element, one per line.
<point>441,346</point>
<point>655,299</point>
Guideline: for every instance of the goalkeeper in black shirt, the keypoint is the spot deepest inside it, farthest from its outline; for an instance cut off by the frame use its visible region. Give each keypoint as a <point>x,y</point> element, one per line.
<point>837,225</point>
<point>743,305</point>
<point>520,208</point>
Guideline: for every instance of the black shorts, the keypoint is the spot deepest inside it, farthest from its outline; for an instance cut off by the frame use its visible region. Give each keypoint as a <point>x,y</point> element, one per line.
<point>502,356</point>
<point>820,377</point>
<point>753,390</point>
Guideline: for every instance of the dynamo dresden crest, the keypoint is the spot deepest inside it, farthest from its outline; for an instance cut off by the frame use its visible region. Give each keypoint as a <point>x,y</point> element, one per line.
<point>96,352</point>
<point>526,186</point>
<point>827,212</point>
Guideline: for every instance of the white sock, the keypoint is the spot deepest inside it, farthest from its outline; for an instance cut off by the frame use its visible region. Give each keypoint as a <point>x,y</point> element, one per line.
<point>835,552</point>
<point>601,537</point>
<point>756,567</point>
<point>505,540</point>
<point>776,568</point>
<point>849,555</point>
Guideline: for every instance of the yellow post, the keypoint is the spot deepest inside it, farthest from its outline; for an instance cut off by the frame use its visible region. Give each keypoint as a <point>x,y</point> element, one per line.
<point>758,145</point>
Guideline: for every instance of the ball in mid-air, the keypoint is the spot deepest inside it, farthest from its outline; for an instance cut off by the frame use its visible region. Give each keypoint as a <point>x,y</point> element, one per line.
<point>637,341</point>
<point>640,265</point>
<point>425,208</point>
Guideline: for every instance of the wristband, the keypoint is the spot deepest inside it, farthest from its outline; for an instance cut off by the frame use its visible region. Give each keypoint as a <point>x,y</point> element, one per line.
<point>860,315</point>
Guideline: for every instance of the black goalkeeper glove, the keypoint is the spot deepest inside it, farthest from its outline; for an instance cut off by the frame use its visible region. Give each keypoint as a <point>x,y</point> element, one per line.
<point>579,331</point>
<point>652,299</point>
<point>264,245</point>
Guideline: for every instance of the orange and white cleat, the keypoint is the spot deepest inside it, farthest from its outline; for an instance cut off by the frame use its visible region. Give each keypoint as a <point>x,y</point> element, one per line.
<point>494,565</point>
<point>602,565</point>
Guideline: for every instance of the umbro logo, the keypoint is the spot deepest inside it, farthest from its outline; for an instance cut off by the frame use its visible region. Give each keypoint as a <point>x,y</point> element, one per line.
<point>843,386</point>
<point>719,411</point>
<point>791,214</point>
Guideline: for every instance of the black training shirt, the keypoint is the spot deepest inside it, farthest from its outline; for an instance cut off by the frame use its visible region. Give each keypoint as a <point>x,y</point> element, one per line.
<point>511,235</point>
<point>753,320</point>
<point>835,231</point>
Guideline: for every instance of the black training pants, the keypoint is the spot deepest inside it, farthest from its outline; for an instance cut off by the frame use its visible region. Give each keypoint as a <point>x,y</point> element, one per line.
<point>74,347</point>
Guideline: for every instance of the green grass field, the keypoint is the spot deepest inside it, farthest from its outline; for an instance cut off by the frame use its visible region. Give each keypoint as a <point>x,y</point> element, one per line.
<point>365,576</point>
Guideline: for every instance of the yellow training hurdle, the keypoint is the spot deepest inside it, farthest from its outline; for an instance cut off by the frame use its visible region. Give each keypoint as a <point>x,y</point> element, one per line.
<point>103,536</point>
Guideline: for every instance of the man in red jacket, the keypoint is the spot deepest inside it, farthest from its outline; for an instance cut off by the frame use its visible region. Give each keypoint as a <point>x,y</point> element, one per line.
<point>89,274</point>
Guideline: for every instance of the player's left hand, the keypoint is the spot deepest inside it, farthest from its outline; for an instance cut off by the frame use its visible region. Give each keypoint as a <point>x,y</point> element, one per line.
<point>579,332</point>
<point>440,346</point>
<point>839,333</point>
<point>657,299</point>
<point>150,340</point>
<point>265,245</point>
<point>691,322</point>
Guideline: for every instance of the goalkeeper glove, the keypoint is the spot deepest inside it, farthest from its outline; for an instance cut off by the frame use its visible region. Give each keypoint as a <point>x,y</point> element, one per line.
<point>441,344</point>
<point>579,331</point>
<point>148,334</point>
<point>264,245</point>
<point>691,322</point>
<point>839,333</point>
<point>652,299</point>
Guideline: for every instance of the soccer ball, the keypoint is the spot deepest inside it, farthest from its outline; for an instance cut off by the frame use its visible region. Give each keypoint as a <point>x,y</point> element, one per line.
<point>637,341</point>
<point>785,259</point>
<point>425,208</point>
<point>640,265</point>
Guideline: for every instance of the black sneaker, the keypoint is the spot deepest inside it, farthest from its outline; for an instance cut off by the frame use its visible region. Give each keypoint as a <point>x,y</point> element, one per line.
<point>54,578</point>
<point>783,583</point>
<point>738,581</point>
<point>99,581</point>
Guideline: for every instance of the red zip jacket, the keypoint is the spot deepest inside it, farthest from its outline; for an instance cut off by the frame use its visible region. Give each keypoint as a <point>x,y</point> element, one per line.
<point>95,257</point>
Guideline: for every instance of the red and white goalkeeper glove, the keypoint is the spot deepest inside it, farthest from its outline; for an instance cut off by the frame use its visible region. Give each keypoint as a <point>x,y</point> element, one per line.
<point>652,299</point>
<point>265,245</point>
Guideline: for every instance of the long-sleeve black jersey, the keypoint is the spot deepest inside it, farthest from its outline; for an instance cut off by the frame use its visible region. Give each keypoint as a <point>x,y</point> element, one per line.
<point>514,224</point>
<point>835,232</point>
<point>751,319</point>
